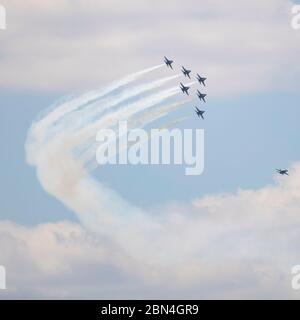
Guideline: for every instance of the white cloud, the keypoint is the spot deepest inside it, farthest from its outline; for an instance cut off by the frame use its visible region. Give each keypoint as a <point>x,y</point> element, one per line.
<point>242,47</point>
<point>239,245</point>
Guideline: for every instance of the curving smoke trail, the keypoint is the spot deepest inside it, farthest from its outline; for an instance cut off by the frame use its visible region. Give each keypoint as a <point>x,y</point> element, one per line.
<point>186,243</point>
<point>56,118</point>
<point>52,147</point>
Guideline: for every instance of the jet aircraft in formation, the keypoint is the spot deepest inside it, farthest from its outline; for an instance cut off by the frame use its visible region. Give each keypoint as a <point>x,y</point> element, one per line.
<point>199,112</point>
<point>185,88</point>
<point>168,62</point>
<point>186,72</point>
<point>201,96</point>
<point>201,79</point>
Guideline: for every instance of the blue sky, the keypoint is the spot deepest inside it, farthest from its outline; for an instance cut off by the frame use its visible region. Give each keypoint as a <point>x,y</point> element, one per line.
<point>238,213</point>
<point>245,139</point>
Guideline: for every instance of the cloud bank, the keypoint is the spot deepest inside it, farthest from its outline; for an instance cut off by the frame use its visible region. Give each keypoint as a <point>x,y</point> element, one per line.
<point>239,245</point>
<point>244,47</point>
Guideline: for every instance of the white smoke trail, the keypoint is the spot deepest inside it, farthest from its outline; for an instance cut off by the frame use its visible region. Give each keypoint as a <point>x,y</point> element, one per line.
<point>96,109</point>
<point>47,119</point>
<point>139,121</point>
<point>124,113</point>
<point>176,121</point>
<point>180,246</point>
<point>91,96</point>
<point>64,175</point>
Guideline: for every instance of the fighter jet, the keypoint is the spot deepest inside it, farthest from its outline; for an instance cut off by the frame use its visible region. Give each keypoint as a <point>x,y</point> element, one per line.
<point>201,96</point>
<point>186,72</point>
<point>168,62</point>
<point>200,79</point>
<point>199,113</point>
<point>283,172</point>
<point>184,89</point>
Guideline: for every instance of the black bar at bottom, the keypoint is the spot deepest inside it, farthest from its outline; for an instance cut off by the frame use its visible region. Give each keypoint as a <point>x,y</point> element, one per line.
<point>144,309</point>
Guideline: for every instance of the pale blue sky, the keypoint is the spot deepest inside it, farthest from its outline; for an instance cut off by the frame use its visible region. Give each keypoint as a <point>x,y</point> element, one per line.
<point>246,138</point>
<point>250,55</point>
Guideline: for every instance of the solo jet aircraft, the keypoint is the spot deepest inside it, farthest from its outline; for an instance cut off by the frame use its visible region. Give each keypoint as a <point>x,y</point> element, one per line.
<point>283,172</point>
<point>168,62</point>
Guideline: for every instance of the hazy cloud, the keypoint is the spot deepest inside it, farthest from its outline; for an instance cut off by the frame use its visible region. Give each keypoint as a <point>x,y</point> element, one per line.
<point>66,45</point>
<point>239,245</point>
